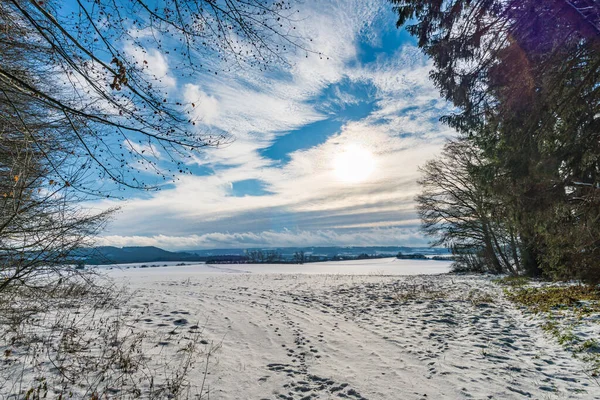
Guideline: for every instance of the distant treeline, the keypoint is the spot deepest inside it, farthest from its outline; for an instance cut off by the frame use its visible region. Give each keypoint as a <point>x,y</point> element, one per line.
<point>290,255</point>
<point>300,257</point>
<point>276,257</point>
<point>419,256</point>
<point>149,254</point>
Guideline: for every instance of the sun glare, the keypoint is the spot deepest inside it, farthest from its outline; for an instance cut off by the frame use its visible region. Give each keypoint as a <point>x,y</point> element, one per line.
<point>353,165</point>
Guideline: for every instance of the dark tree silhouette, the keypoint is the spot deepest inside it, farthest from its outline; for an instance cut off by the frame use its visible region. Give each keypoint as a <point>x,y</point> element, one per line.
<point>524,76</point>
<point>457,211</point>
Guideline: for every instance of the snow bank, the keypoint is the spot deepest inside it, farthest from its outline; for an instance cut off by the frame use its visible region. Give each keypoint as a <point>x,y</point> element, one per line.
<point>356,329</point>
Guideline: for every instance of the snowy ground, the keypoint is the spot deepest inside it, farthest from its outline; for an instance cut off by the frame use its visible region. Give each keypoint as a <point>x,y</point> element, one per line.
<point>382,266</point>
<point>359,330</point>
<point>370,329</point>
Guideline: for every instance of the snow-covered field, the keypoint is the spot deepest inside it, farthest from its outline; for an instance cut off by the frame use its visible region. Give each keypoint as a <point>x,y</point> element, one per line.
<point>375,329</point>
<point>382,266</point>
<point>358,329</point>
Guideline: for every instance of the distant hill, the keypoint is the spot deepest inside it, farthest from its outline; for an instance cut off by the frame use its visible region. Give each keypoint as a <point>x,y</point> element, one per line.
<point>143,254</point>
<point>134,254</point>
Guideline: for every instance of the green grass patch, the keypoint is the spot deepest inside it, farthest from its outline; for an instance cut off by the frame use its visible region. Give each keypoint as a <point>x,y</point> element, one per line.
<point>542,299</point>
<point>564,309</point>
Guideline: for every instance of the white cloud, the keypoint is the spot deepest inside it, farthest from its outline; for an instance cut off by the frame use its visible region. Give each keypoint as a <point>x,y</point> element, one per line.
<point>153,62</point>
<point>142,149</point>
<point>306,204</point>
<point>373,237</point>
<point>204,107</point>
<point>306,186</point>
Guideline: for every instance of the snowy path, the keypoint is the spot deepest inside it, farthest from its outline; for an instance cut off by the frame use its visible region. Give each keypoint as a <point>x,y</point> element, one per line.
<point>295,336</point>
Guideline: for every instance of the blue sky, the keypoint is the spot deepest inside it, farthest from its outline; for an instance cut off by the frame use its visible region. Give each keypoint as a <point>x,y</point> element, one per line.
<point>325,150</point>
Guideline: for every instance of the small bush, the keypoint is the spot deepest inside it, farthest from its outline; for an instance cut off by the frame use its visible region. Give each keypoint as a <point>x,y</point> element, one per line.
<point>513,281</point>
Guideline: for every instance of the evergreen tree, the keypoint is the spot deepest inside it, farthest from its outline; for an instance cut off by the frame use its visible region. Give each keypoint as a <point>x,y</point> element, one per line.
<point>524,75</point>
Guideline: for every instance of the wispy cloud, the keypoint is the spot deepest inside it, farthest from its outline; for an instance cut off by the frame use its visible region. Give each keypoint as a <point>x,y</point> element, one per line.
<point>304,202</point>
<point>154,63</point>
<point>279,238</point>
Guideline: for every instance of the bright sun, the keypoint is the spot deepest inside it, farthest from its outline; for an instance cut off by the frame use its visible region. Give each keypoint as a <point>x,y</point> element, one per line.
<point>353,165</point>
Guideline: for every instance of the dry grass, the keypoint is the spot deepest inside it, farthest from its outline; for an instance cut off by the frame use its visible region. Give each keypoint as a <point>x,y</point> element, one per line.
<point>579,298</point>
<point>409,291</point>
<point>565,310</point>
<point>82,341</point>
